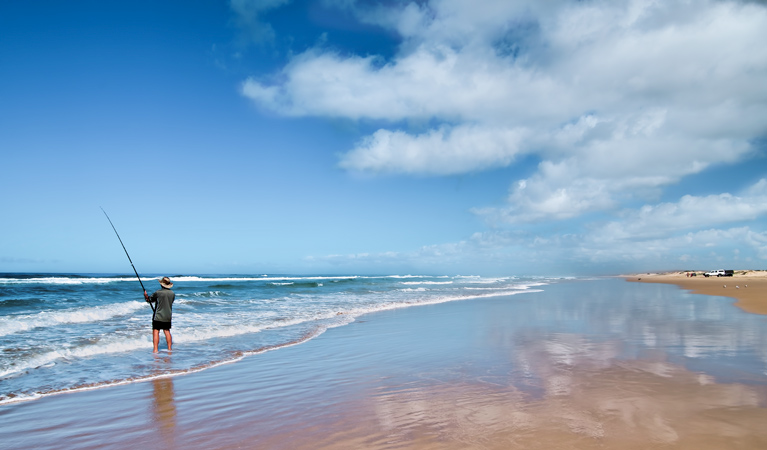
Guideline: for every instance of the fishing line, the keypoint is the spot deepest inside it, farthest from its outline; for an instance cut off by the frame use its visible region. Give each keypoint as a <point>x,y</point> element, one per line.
<point>126,254</point>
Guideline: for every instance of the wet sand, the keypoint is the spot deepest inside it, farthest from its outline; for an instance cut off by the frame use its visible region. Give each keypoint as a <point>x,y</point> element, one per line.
<point>748,287</point>
<point>546,370</point>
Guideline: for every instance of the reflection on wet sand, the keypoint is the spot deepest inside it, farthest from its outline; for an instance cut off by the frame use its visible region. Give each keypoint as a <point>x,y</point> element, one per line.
<point>164,409</point>
<point>620,407</point>
<point>580,366</point>
<point>585,400</point>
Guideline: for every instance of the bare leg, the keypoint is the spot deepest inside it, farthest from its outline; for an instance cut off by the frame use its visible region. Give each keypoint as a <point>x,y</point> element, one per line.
<point>155,339</point>
<point>168,339</point>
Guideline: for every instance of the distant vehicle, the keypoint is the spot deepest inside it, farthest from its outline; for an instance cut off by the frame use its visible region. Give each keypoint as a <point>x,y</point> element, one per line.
<point>719,273</point>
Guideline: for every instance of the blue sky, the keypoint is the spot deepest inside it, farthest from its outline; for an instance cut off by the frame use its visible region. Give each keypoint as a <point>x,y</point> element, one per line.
<point>343,136</point>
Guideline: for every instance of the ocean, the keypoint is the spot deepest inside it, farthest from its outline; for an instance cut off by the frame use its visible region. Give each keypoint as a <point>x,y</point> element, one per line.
<point>69,332</point>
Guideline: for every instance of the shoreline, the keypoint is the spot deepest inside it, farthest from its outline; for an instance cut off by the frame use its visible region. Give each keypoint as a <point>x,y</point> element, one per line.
<point>5,399</point>
<point>747,287</point>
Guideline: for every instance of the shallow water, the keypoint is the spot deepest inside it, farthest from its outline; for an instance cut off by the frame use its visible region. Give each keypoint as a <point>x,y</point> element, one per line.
<point>65,332</point>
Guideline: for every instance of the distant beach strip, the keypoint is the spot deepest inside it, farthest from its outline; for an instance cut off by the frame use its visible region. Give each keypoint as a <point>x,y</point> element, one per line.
<point>748,287</point>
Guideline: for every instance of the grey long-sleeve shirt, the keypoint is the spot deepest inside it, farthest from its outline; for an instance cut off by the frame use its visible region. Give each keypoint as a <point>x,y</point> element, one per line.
<point>164,298</point>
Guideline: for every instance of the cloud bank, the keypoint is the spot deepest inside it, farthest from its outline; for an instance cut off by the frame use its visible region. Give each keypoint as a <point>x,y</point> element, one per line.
<point>681,234</point>
<point>617,99</point>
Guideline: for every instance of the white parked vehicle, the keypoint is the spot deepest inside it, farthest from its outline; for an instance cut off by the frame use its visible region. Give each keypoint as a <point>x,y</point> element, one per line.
<point>718,273</point>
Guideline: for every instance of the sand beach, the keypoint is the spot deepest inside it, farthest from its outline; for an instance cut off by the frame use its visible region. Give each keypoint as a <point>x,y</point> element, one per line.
<point>587,364</point>
<point>748,287</point>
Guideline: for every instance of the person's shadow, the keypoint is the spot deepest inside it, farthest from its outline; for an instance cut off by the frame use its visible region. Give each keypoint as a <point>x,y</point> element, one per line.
<point>164,410</point>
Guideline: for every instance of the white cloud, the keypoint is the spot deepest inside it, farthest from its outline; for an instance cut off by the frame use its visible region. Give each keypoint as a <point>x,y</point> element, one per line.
<point>690,213</point>
<point>617,98</point>
<point>654,233</point>
<point>430,82</point>
<point>607,171</point>
<point>705,246</point>
<point>597,56</point>
<point>505,252</point>
<point>653,237</point>
<point>442,151</point>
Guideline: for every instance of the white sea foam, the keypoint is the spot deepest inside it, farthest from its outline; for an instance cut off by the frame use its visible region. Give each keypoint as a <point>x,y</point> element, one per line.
<point>386,306</point>
<point>108,346</point>
<point>105,280</point>
<point>404,276</point>
<point>43,319</point>
<point>263,278</point>
<point>37,395</point>
<point>117,344</point>
<point>479,280</point>
<point>207,294</point>
<point>198,334</point>
<point>64,280</point>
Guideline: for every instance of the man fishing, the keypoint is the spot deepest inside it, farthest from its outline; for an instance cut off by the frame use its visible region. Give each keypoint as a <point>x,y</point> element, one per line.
<point>163,299</point>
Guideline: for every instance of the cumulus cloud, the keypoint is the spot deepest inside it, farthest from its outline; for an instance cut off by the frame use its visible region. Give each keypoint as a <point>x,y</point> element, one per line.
<point>698,249</point>
<point>607,171</point>
<point>617,98</point>
<point>653,232</point>
<point>447,150</point>
<point>666,235</point>
<point>687,227</point>
<point>499,252</point>
<point>690,213</point>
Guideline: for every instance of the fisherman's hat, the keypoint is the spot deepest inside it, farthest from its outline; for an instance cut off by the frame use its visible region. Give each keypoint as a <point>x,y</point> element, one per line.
<point>166,283</point>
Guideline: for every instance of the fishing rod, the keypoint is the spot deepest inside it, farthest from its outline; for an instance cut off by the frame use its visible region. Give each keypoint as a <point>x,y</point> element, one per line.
<point>126,254</point>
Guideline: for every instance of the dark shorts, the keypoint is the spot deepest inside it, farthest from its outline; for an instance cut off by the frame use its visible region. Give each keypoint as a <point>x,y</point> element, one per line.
<point>157,325</point>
